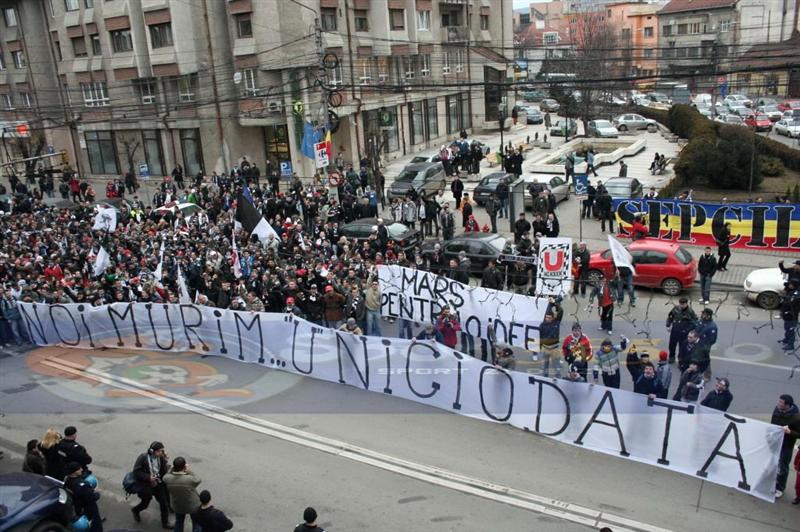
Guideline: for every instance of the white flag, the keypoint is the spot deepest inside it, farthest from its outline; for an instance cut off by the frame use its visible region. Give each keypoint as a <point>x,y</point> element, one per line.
<point>101,262</point>
<point>620,255</point>
<point>105,220</point>
<point>554,272</point>
<point>235,264</point>
<point>184,298</point>
<point>159,269</point>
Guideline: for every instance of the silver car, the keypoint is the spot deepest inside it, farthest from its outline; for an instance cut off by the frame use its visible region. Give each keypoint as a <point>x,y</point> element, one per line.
<point>632,121</point>
<point>555,184</point>
<point>425,178</point>
<point>602,128</point>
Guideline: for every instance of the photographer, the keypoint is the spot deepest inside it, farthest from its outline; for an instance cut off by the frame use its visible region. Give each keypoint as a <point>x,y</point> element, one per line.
<point>447,324</point>
<point>149,470</point>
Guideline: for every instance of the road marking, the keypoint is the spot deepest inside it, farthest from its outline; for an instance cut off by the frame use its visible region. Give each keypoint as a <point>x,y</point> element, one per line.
<point>432,475</point>
<point>751,363</point>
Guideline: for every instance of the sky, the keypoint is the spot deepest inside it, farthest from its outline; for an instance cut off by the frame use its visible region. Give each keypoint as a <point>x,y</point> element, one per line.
<point>525,3</point>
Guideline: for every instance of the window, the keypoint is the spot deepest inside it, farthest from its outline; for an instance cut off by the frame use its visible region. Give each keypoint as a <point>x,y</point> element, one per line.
<point>724,26</point>
<point>97,48</point>
<point>192,151</point>
<point>648,31</point>
<point>362,20</point>
<point>666,31</point>
<point>8,101</point>
<point>121,41</point>
<point>19,59</point>
<point>409,68</point>
<point>71,5</point>
<point>694,51</point>
<point>250,76</point>
<point>161,35</point>
<point>95,94</point>
<point>694,28</point>
<point>244,26</point>
<point>67,93</point>
<point>484,22</point>
<point>425,65</point>
<point>88,3</point>
<point>336,78</point>
<point>364,70</point>
<point>424,20</point>
<point>10,16</point>
<point>147,90</point>
<point>460,61</point>
<point>683,29</point>
<point>328,18</point>
<point>154,156</point>
<point>187,88</point>
<point>57,51</point>
<point>79,47</point>
<point>25,99</point>
<point>397,19</point>
<point>102,152</point>
<point>648,52</point>
<point>416,118</point>
<point>431,111</point>
<point>550,37</point>
<point>382,68</point>
<point>446,57</point>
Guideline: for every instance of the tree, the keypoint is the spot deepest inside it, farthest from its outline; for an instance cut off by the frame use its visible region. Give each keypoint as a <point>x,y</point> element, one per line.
<point>28,147</point>
<point>130,147</point>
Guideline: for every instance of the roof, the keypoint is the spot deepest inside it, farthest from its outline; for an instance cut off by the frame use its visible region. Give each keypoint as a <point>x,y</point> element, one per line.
<point>772,55</point>
<point>490,54</point>
<point>678,6</point>
<point>534,35</point>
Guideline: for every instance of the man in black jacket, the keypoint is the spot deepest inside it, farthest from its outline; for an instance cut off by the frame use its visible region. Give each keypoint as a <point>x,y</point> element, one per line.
<point>605,211</point>
<point>71,450</point>
<point>457,188</point>
<point>580,257</point>
<point>209,518</point>
<point>707,267</point>
<point>492,277</point>
<point>521,227</point>
<point>790,310</point>
<point>720,397</point>
<point>149,470</point>
<point>309,523</point>
<point>447,222</point>
<point>84,498</point>
<point>785,415</point>
<point>680,320</point>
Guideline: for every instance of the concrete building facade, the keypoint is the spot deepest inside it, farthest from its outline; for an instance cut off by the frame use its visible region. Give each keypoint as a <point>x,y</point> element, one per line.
<point>145,85</point>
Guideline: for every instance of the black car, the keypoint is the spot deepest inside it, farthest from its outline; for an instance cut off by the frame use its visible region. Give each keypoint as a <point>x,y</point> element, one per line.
<point>403,237</point>
<point>30,502</point>
<point>488,186</point>
<point>479,247</point>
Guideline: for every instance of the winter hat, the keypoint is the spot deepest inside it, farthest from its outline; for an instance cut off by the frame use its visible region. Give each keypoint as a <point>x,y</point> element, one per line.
<point>328,288</point>
<point>576,326</point>
<point>663,355</point>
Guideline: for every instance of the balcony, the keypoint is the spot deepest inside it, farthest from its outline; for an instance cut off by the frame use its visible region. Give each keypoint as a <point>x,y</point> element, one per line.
<point>455,34</point>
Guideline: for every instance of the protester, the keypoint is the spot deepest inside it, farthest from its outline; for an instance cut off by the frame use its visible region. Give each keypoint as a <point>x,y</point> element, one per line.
<point>448,326</point>
<point>209,518</point>
<point>707,330</point>
<point>549,343</point>
<point>706,267</point>
<point>580,258</point>
<point>577,347</point>
<point>790,310</point>
<point>429,332</point>
<point>785,415</point>
<point>635,362</point>
<point>697,353</point>
<point>309,523</point>
<point>182,486</point>
<point>504,358</point>
<point>690,385</point>
<point>724,247</point>
<point>680,320</point>
<point>607,361</point>
<point>720,397</point>
<point>54,461</point>
<point>647,383</point>
<point>663,374</point>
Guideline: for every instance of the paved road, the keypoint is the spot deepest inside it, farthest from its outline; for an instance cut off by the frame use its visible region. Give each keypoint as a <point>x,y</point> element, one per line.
<point>792,143</point>
<point>264,481</point>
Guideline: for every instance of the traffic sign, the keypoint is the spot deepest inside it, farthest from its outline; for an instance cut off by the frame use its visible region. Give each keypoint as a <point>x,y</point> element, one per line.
<point>321,154</point>
<point>286,169</point>
<point>334,179</point>
<point>503,257</point>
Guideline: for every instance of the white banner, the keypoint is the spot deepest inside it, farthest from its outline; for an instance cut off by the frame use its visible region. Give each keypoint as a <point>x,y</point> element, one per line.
<point>620,255</point>
<point>105,219</point>
<point>700,442</point>
<point>554,270</point>
<point>419,296</point>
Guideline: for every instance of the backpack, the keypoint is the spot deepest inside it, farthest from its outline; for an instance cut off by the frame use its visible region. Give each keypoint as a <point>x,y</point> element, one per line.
<point>129,484</point>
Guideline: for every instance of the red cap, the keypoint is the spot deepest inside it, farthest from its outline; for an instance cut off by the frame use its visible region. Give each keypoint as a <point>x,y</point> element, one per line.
<point>663,355</point>
<point>328,288</point>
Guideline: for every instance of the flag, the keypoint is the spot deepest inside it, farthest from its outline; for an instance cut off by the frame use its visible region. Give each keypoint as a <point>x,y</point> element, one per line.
<point>105,220</point>
<point>620,255</point>
<point>183,298</point>
<point>251,219</point>
<point>329,145</point>
<point>249,195</point>
<point>159,269</point>
<point>235,264</point>
<point>101,262</point>
<point>311,136</point>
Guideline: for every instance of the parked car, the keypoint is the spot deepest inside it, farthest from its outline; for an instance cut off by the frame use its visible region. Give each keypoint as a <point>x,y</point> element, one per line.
<point>632,121</point>
<point>658,97</point>
<point>555,184</point>
<point>764,287</point>
<point>534,115</point>
<point>610,99</point>
<point>601,128</point>
<point>759,122</point>
<point>705,110</point>
<point>424,157</point>
<point>790,128</point>
<point>624,187</point>
<point>534,95</point>
<point>549,105</point>
<point>479,247</point>
<point>425,178</point>
<point>30,502</point>
<point>702,99</point>
<point>559,128</point>
<point>488,185</point>
<point>404,237</point>
<point>766,102</point>
<point>789,105</point>
<point>658,264</point>
<point>772,112</point>
<point>739,99</point>
<point>744,112</point>
<point>732,120</point>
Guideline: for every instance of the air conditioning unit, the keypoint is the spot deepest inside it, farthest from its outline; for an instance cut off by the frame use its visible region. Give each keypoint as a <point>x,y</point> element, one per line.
<point>274,106</point>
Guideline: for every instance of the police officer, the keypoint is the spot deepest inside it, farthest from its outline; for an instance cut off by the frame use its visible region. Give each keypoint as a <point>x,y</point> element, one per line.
<point>790,308</point>
<point>84,497</point>
<point>72,451</point>
<point>680,320</point>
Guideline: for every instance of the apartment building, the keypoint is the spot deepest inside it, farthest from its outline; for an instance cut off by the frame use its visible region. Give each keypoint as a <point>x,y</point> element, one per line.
<point>149,84</point>
<point>636,27</point>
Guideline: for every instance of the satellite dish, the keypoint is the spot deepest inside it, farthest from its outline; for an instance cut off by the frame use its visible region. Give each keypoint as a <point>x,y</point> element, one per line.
<point>237,77</point>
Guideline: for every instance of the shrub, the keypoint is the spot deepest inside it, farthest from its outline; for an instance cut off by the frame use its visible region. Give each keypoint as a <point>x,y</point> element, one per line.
<point>724,163</point>
<point>772,167</point>
<point>790,157</point>
<point>796,193</point>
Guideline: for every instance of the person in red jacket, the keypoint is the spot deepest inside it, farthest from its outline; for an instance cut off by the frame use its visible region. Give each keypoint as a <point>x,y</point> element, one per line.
<point>577,346</point>
<point>638,229</point>
<point>448,325</point>
<point>797,480</point>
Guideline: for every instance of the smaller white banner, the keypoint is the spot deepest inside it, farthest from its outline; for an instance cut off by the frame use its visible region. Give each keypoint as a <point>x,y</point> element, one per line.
<point>620,255</point>
<point>554,270</point>
<point>105,220</point>
<point>321,154</point>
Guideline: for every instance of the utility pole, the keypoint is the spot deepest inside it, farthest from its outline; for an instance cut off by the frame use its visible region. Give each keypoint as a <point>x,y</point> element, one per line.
<point>215,91</point>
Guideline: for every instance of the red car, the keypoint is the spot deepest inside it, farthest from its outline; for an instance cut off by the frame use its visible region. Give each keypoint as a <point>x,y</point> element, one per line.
<point>658,264</point>
<point>789,105</point>
<point>759,122</point>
